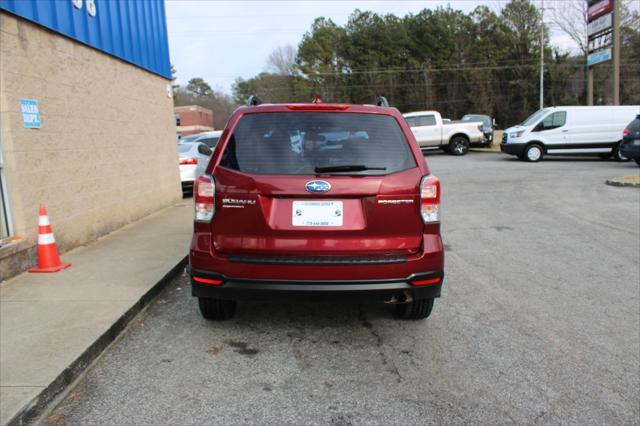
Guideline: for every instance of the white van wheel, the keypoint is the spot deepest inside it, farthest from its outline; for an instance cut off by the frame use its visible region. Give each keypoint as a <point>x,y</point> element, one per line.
<point>533,153</point>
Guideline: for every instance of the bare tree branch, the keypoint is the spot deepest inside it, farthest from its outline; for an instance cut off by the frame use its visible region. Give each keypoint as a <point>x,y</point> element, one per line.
<point>282,60</point>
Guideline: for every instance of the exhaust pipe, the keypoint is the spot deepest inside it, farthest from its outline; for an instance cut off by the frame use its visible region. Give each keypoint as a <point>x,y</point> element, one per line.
<point>396,299</point>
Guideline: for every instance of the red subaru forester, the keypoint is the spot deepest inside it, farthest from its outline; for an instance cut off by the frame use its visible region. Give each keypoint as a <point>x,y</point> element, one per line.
<point>317,201</point>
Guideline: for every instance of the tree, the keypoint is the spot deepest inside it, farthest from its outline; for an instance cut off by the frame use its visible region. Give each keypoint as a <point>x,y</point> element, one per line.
<point>523,22</point>
<point>443,59</point>
<point>282,61</point>
<point>320,57</point>
<point>272,88</point>
<point>174,85</point>
<point>199,92</point>
<point>200,88</point>
<point>569,16</point>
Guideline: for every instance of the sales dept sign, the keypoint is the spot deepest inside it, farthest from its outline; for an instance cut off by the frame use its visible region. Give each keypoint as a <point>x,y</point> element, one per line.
<point>30,113</point>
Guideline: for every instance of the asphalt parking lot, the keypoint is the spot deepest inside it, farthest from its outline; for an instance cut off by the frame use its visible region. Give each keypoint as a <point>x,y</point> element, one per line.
<point>538,323</point>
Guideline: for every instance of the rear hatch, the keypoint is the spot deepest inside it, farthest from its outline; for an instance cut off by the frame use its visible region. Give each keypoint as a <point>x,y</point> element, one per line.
<point>317,184</point>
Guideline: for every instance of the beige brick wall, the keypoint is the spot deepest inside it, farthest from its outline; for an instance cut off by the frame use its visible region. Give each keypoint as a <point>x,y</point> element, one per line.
<point>106,152</point>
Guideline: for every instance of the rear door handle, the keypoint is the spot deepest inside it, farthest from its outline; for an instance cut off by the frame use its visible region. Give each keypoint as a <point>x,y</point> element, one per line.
<point>564,131</point>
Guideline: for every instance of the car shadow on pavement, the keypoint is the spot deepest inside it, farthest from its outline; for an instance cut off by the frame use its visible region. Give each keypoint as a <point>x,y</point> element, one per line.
<point>311,311</point>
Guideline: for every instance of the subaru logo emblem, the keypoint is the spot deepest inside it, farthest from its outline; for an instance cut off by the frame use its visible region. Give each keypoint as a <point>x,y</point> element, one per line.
<point>317,186</point>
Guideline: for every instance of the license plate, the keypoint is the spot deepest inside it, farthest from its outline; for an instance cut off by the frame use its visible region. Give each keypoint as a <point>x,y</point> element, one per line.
<point>317,213</point>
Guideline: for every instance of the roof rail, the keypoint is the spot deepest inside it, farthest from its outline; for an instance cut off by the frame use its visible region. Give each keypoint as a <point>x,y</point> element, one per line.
<point>252,101</point>
<point>381,101</point>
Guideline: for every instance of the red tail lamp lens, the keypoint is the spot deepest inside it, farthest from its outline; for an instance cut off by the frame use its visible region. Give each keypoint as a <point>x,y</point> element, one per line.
<point>188,161</point>
<point>430,281</point>
<point>207,281</point>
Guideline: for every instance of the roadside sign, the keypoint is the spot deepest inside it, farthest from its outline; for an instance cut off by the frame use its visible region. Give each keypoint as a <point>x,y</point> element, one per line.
<point>599,9</point>
<point>30,113</point>
<point>600,41</point>
<point>600,24</point>
<point>599,56</point>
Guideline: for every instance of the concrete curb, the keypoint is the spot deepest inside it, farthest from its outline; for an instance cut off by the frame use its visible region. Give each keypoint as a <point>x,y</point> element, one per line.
<point>30,413</point>
<point>621,181</point>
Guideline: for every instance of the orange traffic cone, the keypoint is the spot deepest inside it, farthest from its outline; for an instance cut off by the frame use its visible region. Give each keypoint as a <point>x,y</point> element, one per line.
<point>48,258</point>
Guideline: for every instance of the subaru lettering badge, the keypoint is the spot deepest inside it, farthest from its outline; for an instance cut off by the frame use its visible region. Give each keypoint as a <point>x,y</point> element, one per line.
<point>318,186</point>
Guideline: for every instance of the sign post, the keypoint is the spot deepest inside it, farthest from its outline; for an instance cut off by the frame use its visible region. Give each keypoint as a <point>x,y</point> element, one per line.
<point>603,36</point>
<point>616,52</point>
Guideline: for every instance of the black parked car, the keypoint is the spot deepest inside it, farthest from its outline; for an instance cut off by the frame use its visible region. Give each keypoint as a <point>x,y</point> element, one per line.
<point>630,146</point>
<point>488,125</point>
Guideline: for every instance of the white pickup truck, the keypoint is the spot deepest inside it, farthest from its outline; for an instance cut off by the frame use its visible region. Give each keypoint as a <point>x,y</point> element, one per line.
<point>454,137</point>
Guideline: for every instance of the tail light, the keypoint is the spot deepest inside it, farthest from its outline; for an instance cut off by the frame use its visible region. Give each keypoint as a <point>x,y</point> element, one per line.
<point>430,199</point>
<point>206,280</point>
<point>189,160</point>
<point>626,132</point>
<point>204,198</point>
<point>430,281</point>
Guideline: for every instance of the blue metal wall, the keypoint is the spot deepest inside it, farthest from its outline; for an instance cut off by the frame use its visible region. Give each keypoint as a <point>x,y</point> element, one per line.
<point>132,30</point>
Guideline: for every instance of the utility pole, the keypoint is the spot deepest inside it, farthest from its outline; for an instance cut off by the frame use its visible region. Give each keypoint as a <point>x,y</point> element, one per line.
<point>616,52</point>
<point>589,85</point>
<point>426,82</point>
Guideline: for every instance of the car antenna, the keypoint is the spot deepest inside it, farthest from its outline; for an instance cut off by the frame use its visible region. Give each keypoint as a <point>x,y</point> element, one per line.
<point>253,101</point>
<point>381,101</point>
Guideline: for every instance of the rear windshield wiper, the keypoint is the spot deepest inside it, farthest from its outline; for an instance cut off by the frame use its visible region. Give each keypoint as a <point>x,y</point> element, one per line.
<point>346,168</point>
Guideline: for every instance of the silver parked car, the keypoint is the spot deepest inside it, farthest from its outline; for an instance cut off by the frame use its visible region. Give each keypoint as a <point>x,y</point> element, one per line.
<point>209,138</point>
<point>190,138</point>
<point>193,160</point>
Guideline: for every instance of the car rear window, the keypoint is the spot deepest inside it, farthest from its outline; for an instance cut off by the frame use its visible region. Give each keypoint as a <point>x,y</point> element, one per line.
<point>421,120</point>
<point>299,142</point>
<point>486,121</point>
<point>210,142</point>
<point>184,147</point>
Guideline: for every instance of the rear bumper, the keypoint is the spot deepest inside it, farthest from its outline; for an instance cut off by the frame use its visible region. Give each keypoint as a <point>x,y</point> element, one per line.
<point>188,173</point>
<point>203,257</point>
<point>630,149</point>
<point>392,291</point>
<point>487,139</point>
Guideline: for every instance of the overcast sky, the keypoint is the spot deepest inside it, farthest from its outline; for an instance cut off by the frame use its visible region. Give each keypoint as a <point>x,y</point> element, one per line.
<point>222,40</point>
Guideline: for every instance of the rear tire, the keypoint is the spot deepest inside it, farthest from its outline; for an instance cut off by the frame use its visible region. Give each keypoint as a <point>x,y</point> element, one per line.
<point>533,153</point>
<point>216,309</point>
<point>459,145</point>
<point>638,161</point>
<point>617,155</point>
<point>415,310</point>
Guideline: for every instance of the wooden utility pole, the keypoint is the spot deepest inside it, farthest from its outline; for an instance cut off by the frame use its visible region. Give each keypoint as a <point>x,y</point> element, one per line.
<point>589,85</point>
<point>616,52</point>
<point>425,75</point>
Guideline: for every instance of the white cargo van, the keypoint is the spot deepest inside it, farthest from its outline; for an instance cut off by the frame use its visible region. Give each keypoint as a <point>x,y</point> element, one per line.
<point>595,130</point>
